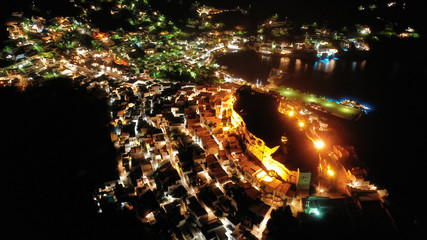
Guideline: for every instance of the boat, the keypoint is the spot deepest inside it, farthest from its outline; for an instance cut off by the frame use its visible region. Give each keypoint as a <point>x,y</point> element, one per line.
<point>354,104</point>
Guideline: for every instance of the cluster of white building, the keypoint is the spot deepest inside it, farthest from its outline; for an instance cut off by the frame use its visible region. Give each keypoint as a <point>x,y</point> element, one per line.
<point>152,123</point>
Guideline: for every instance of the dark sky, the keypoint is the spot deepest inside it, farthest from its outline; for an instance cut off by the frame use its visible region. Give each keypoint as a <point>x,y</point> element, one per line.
<point>308,9</point>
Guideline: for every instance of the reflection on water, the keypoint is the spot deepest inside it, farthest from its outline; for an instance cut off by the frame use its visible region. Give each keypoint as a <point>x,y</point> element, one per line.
<point>353,66</point>
<point>329,65</point>
<point>292,65</point>
<point>362,64</point>
<point>265,58</point>
<point>358,66</point>
<point>298,65</point>
<point>336,78</point>
<point>284,62</point>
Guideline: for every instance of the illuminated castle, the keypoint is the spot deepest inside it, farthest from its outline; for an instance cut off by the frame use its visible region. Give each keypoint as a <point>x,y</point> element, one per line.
<point>258,147</point>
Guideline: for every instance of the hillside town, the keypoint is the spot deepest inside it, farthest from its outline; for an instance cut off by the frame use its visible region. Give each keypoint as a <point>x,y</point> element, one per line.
<point>188,165</point>
<point>147,42</point>
<point>187,161</point>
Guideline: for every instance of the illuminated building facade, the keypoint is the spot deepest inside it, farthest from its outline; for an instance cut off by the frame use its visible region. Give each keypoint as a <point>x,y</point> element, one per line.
<point>272,177</point>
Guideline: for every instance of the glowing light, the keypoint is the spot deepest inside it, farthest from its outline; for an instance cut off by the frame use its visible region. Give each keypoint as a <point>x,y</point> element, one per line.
<point>301,124</point>
<point>319,144</point>
<point>330,172</point>
<point>316,212</point>
<point>291,113</point>
<point>267,179</point>
<point>263,176</point>
<point>264,222</point>
<point>233,46</point>
<point>390,4</point>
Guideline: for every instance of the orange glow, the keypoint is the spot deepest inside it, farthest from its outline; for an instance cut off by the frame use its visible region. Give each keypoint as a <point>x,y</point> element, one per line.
<point>330,172</point>
<point>291,113</point>
<point>263,176</point>
<point>122,61</point>
<point>301,124</point>
<point>100,36</point>
<point>319,144</point>
<point>276,166</point>
<point>258,148</point>
<point>267,179</point>
<point>260,173</point>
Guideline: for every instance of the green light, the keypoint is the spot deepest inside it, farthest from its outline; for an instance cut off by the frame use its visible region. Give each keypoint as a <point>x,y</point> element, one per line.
<point>287,93</point>
<point>346,110</point>
<point>329,104</point>
<point>310,98</point>
<point>316,212</point>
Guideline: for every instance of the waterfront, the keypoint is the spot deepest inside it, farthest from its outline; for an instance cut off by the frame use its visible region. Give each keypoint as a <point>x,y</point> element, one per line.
<point>390,86</point>
<point>298,152</point>
<point>299,74</point>
<point>182,153</point>
<point>368,81</point>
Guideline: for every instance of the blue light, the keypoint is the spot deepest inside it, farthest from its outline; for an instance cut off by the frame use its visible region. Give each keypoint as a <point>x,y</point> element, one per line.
<point>117,128</point>
<point>368,106</point>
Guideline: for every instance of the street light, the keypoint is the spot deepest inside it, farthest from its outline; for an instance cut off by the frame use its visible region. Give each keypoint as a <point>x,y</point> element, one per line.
<point>319,144</point>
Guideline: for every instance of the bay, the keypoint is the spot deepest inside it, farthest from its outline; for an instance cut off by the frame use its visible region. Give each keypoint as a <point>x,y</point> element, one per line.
<point>390,82</point>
